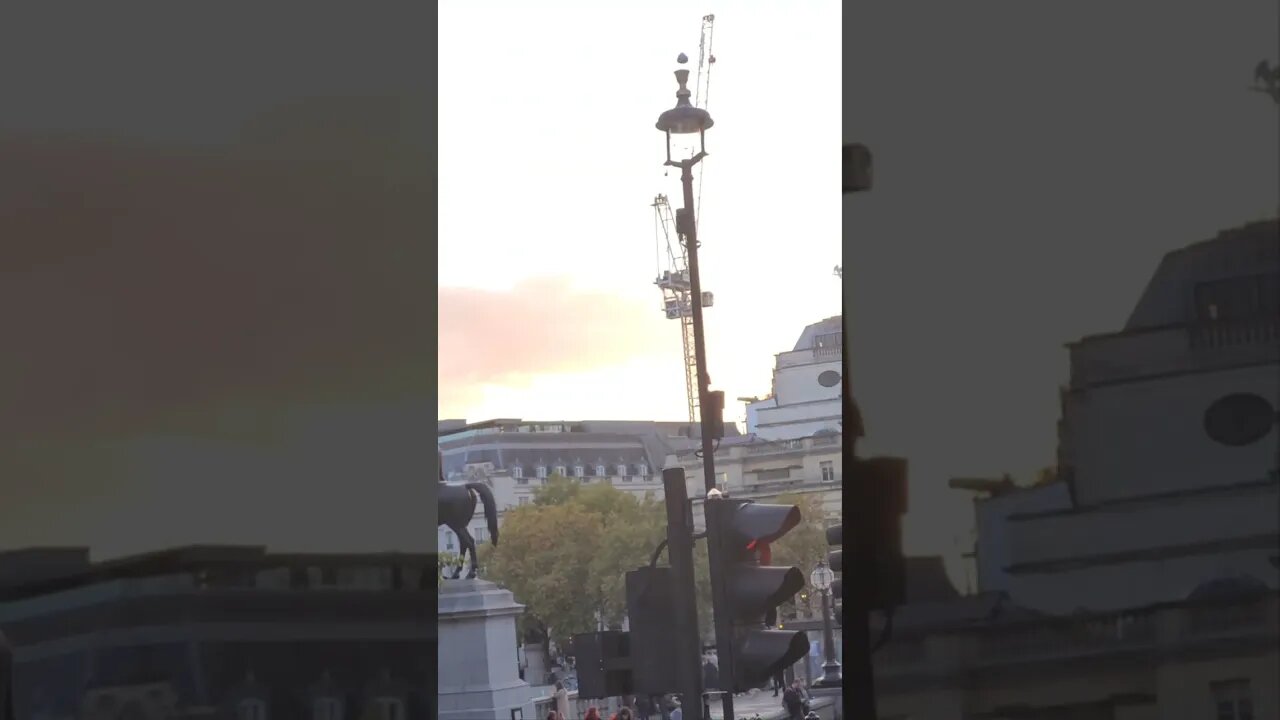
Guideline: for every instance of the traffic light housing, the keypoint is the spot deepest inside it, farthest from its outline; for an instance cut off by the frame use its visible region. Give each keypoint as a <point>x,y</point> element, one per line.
<point>651,609</point>
<point>603,662</point>
<point>745,593</point>
<point>857,168</point>
<point>879,500</point>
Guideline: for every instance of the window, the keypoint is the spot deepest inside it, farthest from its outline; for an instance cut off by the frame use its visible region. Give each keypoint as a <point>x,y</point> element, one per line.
<point>478,534</point>
<point>579,471</point>
<point>448,539</point>
<point>388,709</point>
<point>600,471</point>
<point>524,500</point>
<point>541,472</point>
<point>328,576</point>
<point>517,472</point>
<point>622,470</point>
<point>1232,699</point>
<point>559,470</point>
<point>828,469</point>
<point>251,709</point>
<point>326,708</point>
<point>642,469</point>
<point>1238,297</point>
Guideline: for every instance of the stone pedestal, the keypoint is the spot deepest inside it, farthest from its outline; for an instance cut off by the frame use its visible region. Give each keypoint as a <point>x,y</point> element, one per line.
<point>478,674</point>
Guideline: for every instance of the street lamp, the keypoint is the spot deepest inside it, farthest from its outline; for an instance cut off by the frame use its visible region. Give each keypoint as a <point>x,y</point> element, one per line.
<point>821,578</point>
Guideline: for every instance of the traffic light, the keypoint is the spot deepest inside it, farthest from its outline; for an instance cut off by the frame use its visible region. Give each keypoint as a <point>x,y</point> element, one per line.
<point>745,594</point>
<point>879,500</point>
<point>857,168</point>
<point>835,561</point>
<point>603,662</point>
<point>651,610</point>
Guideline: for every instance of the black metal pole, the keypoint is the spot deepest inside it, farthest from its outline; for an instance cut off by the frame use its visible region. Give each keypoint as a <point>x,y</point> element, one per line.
<point>859,673</point>
<point>723,624</point>
<point>689,230</point>
<point>680,552</point>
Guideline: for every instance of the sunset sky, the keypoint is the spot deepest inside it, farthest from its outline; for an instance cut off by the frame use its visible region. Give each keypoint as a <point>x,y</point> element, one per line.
<point>1033,163</point>
<point>549,161</point>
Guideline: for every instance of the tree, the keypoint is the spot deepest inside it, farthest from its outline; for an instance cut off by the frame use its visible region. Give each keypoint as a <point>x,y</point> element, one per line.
<point>544,560</point>
<point>565,556</point>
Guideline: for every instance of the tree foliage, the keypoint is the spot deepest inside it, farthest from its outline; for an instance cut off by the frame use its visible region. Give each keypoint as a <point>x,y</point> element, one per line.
<point>806,544</point>
<point>565,555</point>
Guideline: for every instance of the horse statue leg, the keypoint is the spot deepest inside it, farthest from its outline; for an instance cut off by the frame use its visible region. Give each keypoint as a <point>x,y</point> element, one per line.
<point>469,545</point>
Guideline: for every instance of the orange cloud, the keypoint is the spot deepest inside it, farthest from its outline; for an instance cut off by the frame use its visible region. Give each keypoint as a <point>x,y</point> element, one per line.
<point>541,326</point>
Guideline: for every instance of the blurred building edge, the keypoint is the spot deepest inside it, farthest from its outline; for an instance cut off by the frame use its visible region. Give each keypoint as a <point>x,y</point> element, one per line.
<point>1141,582</point>
<point>220,631</point>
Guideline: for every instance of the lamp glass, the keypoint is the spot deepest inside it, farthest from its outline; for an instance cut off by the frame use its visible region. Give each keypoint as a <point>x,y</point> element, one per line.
<point>822,577</point>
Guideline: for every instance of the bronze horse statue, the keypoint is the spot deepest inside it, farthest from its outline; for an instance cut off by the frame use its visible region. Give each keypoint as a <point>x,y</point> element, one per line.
<point>456,505</point>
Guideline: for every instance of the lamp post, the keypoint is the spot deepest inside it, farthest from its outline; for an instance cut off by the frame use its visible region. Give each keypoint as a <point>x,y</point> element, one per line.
<point>685,119</point>
<point>821,578</point>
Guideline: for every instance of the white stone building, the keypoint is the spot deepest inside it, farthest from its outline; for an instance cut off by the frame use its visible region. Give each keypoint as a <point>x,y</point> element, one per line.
<point>806,387</point>
<point>1143,583</point>
<point>1168,443</point>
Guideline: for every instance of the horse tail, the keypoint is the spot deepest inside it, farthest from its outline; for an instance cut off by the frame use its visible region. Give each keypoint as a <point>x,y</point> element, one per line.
<point>490,507</point>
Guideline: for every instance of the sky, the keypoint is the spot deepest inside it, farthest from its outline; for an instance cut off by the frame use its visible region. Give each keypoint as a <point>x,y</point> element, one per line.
<point>1033,163</point>
<point>549,163</point>
<point>210,281</point>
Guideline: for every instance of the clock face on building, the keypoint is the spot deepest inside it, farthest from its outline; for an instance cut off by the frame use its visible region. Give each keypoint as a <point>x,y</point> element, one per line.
<point>829,378</point>
<point>1239,419</point>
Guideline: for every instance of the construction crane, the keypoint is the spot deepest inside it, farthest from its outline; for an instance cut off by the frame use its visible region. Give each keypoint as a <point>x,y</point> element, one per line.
<point>673,274</point>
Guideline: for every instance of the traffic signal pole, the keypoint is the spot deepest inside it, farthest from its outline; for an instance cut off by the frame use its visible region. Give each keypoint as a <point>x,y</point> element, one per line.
<point>687,640</point>
<point>717,565</point>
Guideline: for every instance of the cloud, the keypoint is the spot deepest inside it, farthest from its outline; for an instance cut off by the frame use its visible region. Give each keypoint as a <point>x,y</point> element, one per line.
<point>541,326</point>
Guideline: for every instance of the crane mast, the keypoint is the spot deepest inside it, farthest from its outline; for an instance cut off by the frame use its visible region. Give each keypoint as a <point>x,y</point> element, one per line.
<point>673,275</point>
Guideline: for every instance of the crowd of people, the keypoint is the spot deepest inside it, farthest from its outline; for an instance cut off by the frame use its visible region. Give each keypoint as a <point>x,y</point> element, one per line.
<point>795,699</point>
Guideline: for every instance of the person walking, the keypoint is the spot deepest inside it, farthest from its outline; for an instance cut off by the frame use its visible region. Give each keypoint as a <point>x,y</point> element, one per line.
<point>562,701</point>
<point>592,713</point>
<point>778,683</point>
<point>710,675</point>
<point>793,701</point>
<point>676,712</point>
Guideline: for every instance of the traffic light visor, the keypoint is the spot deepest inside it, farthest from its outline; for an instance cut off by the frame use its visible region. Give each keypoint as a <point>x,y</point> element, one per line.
<point>835,534</point>
<point>764,523</point>
<point>765,653</point>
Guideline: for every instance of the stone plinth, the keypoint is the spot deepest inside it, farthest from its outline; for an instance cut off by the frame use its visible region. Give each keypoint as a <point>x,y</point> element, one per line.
<point>478,674</point>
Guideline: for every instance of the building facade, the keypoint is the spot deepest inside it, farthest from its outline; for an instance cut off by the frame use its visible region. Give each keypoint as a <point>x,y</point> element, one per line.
<point>220,632</point>
<point>1142,582</point>
<point>753,468</point>
<point>805,399</point>
<point>1168,441</point>
<point>515,458</point>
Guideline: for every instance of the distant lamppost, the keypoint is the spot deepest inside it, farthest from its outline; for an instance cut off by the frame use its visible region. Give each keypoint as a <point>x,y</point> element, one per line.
<point>821,578</point>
